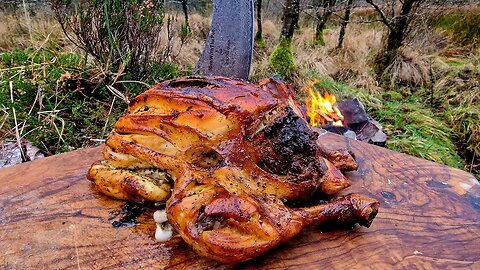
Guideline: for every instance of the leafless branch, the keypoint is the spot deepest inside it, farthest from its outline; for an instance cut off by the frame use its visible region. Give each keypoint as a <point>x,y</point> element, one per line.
<point>380,12</point>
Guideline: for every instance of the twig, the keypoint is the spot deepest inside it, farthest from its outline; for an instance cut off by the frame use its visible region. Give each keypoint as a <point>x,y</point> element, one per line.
<point>27,18</point>
<point>118,94</point>
<point>106,122</point>
<point>17,134</point>
<point>471,164</point>
<point>143,83</point>
<point>31,65</point>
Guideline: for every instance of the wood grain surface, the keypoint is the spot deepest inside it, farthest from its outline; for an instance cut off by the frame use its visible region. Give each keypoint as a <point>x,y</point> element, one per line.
<point>429,218</point>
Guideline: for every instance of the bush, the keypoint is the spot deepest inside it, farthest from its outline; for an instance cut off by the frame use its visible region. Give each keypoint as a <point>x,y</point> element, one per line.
<point>118,34</point>
<point>281,60</point>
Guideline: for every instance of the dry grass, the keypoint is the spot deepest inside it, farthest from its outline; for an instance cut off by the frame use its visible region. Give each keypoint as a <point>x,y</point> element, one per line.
<point>410,68</point>
<point>352,64</point>
<point>456,80</point>
<point>41,30</point>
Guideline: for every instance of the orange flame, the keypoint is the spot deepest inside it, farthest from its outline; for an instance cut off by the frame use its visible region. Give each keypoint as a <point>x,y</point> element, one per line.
<point>322,109</point>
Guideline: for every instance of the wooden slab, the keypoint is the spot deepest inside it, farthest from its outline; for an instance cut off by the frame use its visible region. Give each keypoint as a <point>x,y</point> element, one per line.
<point>51,218</point>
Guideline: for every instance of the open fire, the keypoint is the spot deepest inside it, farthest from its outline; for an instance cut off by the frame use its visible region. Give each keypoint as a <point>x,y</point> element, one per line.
<point>347,117</point>
<point>322,110</point>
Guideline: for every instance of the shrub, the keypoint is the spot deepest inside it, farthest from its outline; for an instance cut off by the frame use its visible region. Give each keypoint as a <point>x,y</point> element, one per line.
<point>116,33</point>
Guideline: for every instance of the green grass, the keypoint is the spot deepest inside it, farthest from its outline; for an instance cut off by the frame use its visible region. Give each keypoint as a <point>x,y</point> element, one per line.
<point>463,26</point>
<point>54,116</point>
<point>414,129</point>
<point>59,106</point>
<point>465,120</point>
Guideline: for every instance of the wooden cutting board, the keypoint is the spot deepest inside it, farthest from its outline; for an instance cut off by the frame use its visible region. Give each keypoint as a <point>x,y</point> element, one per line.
<point>51,218</point>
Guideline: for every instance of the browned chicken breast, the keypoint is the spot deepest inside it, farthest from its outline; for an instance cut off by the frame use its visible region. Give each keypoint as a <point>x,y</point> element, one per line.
<point>234,155</point>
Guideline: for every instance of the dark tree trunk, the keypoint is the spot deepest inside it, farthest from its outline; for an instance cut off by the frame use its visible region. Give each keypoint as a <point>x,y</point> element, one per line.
<point>321,23</point>
<point>344,24</point>
<point>185,13</point>
<point>258,35</point>
<point>322,19</point>
<point>291,13</point>
<point>397,27</point>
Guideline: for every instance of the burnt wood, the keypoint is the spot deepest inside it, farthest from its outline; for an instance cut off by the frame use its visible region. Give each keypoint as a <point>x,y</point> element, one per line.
<point>51,217</point>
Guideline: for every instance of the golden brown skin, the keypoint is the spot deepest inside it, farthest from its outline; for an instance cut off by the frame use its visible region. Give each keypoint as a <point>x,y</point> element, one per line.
<point>235,153</point>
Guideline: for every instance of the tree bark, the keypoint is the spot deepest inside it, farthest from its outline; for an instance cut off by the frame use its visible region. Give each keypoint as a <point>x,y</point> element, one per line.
<point>258,35</point>
<point>185,13</point>
<point>291,14</point>
<point>322,19</point>
<point>397,27</point>
<point>397,32</point>
<point>321,23</point>
<point>345,21</point>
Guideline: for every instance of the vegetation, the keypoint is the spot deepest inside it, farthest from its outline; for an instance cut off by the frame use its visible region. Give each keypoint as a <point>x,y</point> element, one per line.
<point>281,61</point>
<point>117,34</point>
<point>65,99</point>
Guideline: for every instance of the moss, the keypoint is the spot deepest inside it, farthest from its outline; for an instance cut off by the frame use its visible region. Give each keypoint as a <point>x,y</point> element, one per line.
<point>281,61</point>
<point>319,39</point>
<point>185,30</point>
<point>259,41</point>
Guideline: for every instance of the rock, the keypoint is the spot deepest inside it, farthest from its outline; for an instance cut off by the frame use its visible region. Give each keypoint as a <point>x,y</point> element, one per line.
<point>10,153</point>
<point>353,111</point>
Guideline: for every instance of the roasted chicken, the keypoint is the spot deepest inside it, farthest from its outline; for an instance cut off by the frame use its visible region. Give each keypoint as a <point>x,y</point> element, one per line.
<point>230,158</point>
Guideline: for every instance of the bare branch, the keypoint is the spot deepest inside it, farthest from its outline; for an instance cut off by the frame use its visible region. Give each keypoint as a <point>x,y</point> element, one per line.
<point>380,12</point>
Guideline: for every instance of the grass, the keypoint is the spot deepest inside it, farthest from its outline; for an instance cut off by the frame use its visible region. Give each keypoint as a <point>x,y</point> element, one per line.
<point>414,129</point>
<point>52,112</point>
<point>465,120</point>
<point>461,24</point>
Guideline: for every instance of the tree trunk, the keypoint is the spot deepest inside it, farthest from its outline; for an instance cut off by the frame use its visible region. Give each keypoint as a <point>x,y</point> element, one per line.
<point>185,13</point>
<point>258,35</point>
<point>398,28</point>
<point>321,23</point>
<point>344,24</point>
<point>291,14</point>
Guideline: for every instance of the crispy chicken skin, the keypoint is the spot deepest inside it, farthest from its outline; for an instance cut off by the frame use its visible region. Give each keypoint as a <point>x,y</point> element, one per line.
<point>228,157</point>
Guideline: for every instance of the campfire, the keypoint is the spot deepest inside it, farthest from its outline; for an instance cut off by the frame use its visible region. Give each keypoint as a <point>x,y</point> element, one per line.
<point>347,118</point>
<point>322,109</point>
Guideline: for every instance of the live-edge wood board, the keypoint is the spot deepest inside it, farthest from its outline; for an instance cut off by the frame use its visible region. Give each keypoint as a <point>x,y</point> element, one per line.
<point>429,218</point>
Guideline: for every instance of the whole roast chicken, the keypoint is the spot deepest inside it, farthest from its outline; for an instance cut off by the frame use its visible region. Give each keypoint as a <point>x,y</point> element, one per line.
<point>231,159</point>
